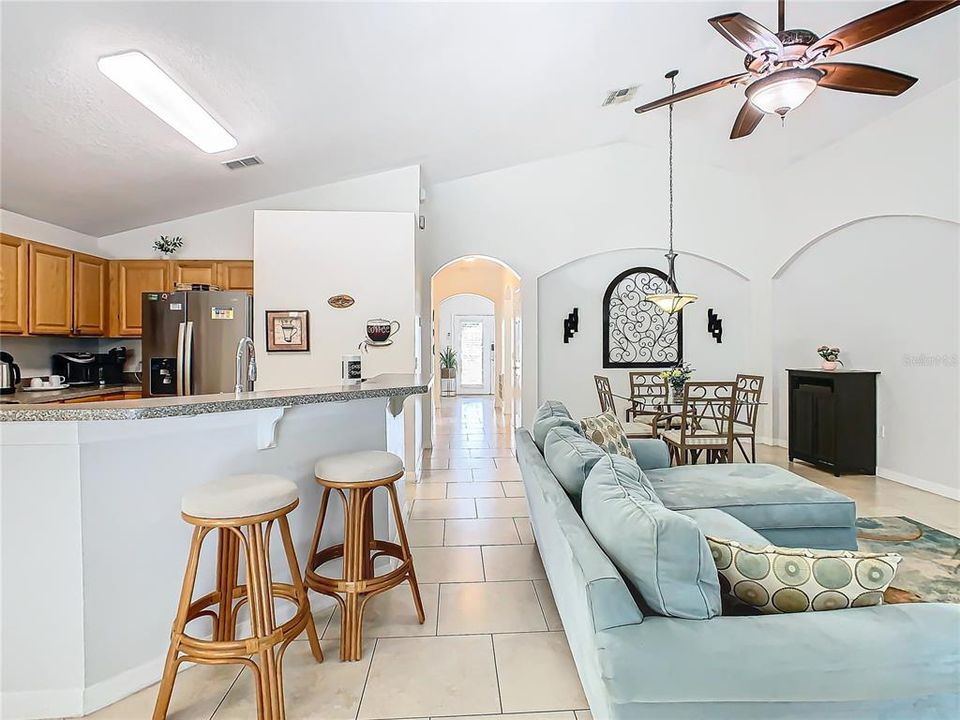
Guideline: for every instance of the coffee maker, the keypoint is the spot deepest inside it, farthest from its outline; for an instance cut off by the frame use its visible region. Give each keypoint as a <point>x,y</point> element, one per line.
<point>83,368</point>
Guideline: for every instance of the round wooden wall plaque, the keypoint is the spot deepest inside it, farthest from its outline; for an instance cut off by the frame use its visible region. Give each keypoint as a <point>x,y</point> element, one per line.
<point>341,301</point>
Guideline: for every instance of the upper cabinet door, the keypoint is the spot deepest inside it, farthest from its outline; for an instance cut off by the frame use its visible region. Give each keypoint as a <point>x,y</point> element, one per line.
<point>13,284</point>
<point>51,290</point>
<point>133,278</point>
<point>89,295</point>
<point>203,272</point>
<point>236,275</point>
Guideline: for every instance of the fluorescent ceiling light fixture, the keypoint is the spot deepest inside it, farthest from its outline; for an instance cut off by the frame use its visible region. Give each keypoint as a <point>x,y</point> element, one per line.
<point>153,88</point>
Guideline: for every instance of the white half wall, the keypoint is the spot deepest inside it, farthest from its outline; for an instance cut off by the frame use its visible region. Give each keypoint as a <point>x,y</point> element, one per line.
<point>565,370</point>
<point>884,290</point>
<point>303,258</point>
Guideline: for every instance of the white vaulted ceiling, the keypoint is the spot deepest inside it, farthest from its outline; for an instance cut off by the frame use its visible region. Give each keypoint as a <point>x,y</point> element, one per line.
<point>323,92</point>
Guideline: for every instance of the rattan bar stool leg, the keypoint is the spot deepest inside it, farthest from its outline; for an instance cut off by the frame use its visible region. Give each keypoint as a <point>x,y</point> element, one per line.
<point>260,590</point>
<point>301,591</point>
<point>179,625</point>
<point>405,549</point>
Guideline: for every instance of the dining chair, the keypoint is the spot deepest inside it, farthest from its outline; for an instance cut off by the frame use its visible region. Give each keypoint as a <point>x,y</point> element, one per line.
<point>749,388</point>
<point>632,429</point>
<point>648,391</point>
<point>706,423</point>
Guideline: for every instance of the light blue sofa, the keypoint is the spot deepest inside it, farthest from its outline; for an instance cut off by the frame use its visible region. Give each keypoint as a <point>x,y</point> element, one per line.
<point>891,661</point>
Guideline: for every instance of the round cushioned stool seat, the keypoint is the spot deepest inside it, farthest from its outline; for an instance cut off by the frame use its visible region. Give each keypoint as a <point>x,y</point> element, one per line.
<point>239,496</point>
<point>362,466</point>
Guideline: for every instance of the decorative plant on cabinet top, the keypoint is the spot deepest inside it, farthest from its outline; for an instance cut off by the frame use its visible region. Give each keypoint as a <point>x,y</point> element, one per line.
<point>168,245</point>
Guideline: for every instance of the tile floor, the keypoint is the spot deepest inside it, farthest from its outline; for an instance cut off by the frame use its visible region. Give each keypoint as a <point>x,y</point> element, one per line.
<point>492,646</point>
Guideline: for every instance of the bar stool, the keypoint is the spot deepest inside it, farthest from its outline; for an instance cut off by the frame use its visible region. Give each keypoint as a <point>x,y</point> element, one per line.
<point>354,477</point>
<point>243,509</point>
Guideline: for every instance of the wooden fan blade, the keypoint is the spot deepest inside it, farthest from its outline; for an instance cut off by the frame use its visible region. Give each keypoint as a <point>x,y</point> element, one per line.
<point>746,33</point>
<point>747,120</point>
<point>851,77</point>
<point>878,25</point>
<point>692,92</point>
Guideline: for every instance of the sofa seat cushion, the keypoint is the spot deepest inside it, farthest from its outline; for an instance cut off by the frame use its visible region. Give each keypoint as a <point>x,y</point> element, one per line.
<point>783,507</point>
<point>571,457</point>
<point>661,552</point>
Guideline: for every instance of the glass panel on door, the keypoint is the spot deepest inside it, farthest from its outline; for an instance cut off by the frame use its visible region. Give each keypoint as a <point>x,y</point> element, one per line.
<point>471,353</point>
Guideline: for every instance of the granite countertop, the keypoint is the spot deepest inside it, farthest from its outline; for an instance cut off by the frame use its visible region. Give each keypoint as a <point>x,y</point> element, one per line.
<point>382,386</point>
<point>42,397</point>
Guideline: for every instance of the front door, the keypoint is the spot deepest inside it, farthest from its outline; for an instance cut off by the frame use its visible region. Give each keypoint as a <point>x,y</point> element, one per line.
<point>474,338</point>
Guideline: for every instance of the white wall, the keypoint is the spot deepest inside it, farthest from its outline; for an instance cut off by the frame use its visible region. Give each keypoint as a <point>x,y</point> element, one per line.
<point>26,227</point>
<point>303,258</point>
<point>228,232</point>
<point>904,323</point>
<point>566,370</point>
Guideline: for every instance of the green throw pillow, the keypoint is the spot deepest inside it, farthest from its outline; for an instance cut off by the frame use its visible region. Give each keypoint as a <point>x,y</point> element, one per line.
<point>786,580</point>
<point>607,432</point>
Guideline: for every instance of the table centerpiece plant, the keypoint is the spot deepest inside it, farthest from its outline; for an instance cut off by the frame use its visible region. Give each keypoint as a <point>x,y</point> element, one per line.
<point>676,377</point>
<point>830,357</point>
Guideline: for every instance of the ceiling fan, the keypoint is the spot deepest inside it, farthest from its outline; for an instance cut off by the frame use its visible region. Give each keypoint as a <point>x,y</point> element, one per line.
<point>785,67</point>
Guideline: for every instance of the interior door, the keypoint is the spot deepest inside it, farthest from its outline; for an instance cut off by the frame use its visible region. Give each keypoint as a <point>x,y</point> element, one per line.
<point>475,354</point>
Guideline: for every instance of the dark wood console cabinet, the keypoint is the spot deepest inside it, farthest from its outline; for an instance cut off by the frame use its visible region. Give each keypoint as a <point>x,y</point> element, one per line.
<point>833,419</point>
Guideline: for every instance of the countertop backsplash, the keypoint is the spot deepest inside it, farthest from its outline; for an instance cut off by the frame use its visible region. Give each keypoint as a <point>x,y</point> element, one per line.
<point>33,353</point>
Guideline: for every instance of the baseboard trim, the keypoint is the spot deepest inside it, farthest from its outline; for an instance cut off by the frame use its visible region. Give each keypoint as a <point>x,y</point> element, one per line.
<point>918,483</point>
<point>41,704</point>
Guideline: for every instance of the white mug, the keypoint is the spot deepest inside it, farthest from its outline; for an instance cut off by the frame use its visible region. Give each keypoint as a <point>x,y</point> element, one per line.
<point>36,382</point>
<point>56,380</point>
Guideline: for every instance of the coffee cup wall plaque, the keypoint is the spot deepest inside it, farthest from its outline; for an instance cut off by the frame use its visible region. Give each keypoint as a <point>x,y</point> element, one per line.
<point>379,332</point>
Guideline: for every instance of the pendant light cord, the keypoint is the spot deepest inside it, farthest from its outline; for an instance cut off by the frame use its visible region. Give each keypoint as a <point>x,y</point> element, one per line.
<point>673,91</point>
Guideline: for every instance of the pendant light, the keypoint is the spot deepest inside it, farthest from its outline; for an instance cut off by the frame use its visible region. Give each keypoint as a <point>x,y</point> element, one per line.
<point>671,302</point>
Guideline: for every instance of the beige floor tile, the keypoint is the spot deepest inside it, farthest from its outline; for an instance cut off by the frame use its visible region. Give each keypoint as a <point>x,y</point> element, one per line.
<point>525,530</point>
<point>437,463</point>
<point>448,453</point>
<point>489,607</point>
<point>478,442</point>
<point>392,614</point>
<point>445,476</point>
<point>513,489</point>
<point>488,531</point>
<point>509,463</point>
<point>441,509</point>
<point>427,491</point>
<point>584,715</point>
<point>414,677</point>
<point>569,715</point>
<point>331,689</point>
<point>497,475</point>
<point>548,605</point>
<point>448,564</point>
<point>512,562</point>
<point>425,533</point>
<point>501,507</point>
<point>537,673</point>
<point>471,463</point>
<point>498,452</point>
<point>196,694</point>
<point>475,490</point>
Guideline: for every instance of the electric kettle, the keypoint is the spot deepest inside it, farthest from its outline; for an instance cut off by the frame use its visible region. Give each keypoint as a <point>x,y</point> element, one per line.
<point>9,374</point>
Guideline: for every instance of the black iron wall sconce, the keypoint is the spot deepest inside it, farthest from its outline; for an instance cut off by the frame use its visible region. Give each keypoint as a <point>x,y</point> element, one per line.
<point>714,325</point>
<point>571,324</point>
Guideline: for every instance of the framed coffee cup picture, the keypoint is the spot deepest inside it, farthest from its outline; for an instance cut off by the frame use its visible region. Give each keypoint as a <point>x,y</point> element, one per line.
<point>288,330</point>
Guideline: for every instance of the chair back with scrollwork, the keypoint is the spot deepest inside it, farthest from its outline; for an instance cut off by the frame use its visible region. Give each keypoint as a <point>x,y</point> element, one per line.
<point>708,411</point>
<point>605,394</point>
<point>749,388</point>
<point>648,392</point>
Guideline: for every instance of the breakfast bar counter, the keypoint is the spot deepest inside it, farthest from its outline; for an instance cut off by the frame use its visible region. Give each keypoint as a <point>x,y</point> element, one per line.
<point>93,545</point>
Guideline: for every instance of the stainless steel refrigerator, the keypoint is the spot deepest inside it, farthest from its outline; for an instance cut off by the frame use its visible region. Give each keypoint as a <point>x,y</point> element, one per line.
<point>190,341</point>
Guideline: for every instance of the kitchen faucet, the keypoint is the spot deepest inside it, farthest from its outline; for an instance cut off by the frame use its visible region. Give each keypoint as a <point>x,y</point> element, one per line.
<point>251,363</point>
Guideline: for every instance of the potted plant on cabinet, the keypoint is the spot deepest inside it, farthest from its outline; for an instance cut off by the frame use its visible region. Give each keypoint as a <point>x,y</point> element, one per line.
<point>168,246</point>
<point>830,357</point>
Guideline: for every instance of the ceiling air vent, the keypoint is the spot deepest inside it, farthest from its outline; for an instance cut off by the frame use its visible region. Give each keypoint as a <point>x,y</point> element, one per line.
<point>242,162</point>
<point>615,97</point>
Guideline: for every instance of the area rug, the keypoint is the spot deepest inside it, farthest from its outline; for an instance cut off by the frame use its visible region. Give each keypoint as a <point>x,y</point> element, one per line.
<point>930,570</point>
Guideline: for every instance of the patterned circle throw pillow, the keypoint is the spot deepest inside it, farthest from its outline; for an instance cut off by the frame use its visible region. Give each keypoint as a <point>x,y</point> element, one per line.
<point>607,432</point>
<point>785,580</point>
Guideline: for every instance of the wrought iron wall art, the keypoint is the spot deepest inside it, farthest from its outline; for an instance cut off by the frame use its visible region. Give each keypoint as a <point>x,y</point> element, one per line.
<point>571,324</point>
<point>714,325</point>
<point>638,334</point>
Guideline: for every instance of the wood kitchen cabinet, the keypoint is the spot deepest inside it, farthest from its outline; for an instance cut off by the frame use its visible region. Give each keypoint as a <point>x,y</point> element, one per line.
<point>204,272</point>
<point>236,275</point>
<point>50,290</point>
<point>13,284</point>
<point>130,279</point>
<point>90,299</point>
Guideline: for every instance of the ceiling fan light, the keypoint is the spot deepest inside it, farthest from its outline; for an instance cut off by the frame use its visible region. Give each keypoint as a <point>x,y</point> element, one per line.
<point>784,90</point>
<point>672,303</point>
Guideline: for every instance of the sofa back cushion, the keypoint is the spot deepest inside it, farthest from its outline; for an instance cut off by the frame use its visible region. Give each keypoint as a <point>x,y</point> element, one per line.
<point>548,418</point>
<point>570,457</point>
<point>663,553</point>
<point>551,407</point>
